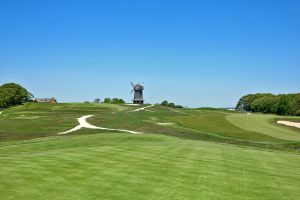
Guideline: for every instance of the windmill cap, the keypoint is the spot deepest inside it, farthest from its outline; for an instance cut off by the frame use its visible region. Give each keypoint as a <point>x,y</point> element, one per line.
<point>138,87</point>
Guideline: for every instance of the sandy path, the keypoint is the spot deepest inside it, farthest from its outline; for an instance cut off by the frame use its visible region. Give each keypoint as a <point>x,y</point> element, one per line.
<point>131,104</point>
<point>84,124</point>
<point>166,124</point>
<point>288,123</point>
<point>139,109</point>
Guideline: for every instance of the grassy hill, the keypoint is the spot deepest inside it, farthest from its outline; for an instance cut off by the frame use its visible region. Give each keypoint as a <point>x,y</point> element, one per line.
<point>182,154</point>
<point>38,120</point>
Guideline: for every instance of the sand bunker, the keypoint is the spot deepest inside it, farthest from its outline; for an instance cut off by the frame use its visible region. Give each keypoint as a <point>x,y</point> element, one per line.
<point>288,123</point>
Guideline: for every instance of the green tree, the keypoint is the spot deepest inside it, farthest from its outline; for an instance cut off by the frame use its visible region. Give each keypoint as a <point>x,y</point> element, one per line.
<point>107,100</point>
<point>117,101</point>
<point>283,104</point>
<point>171,105</point>
<point>265,104</point>
<point>13,94</point>
<point>164,103</point>
<point>97,100</point>
<point>295,105</point>
<point>245,102</point>
<point>114,101</point>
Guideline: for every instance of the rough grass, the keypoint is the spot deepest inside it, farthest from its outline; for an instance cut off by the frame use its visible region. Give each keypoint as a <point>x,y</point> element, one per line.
<point>39,120</point>
<point>124,166</point>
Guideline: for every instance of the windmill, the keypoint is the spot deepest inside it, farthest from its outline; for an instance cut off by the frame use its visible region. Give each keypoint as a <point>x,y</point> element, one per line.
<point>138,93</point>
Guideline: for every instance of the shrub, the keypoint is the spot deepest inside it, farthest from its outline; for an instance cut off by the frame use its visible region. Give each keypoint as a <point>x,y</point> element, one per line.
<point>171,105</point>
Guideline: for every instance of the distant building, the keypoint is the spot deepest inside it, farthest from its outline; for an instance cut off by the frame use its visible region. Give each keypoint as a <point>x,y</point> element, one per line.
<point>46,100</point>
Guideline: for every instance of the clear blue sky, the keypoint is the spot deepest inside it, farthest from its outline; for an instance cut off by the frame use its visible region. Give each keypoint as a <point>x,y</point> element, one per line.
<point>195,53</point>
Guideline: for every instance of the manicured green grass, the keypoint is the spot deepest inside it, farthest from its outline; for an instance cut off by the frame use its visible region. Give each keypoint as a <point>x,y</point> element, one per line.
<point>264,124</point>
<point>125,166</point>
<point>215,122</point>
<point>173,161</point>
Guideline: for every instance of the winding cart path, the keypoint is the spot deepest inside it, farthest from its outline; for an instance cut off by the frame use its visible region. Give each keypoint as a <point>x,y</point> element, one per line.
<point>84,124</point>
<point>139,109</point>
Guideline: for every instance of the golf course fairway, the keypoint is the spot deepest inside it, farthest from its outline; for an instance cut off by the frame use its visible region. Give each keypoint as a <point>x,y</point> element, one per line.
<point>179,154</point>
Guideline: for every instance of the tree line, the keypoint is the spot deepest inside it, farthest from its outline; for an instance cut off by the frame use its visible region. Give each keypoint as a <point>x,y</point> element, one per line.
<point>108,100</point>
<point>114,101</point>
<point>12,94</point>
<point>282,104</point>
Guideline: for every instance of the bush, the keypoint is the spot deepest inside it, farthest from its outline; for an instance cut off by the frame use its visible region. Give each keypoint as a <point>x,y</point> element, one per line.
<point>171,105</point>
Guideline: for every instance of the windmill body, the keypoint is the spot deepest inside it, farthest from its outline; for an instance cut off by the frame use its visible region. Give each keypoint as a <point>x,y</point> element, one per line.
<point>138,93</point>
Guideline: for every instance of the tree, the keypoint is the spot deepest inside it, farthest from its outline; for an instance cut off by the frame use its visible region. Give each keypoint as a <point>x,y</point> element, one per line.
<point>244,104</point>
<point>3,103</point>
<point>97,100</point>
<point>171,105</point>
<point>114,101</point>
<point>283,104</point>
<point>164,103</point>
<point>107,100</point>
<point>117,101</point>
<point>265,104</point>
<point>295,105</point>
<point>13,94</point>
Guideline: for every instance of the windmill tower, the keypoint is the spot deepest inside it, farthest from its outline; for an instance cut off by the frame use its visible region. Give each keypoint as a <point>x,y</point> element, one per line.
<point>138,93</point>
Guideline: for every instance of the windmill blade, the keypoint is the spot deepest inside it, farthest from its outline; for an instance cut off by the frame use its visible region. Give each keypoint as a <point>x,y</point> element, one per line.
<point>131,91</point>
<point>132,84</point>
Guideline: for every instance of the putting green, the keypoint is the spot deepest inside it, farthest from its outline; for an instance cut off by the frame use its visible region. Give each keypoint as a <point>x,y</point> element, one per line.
<point>265,124</point>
